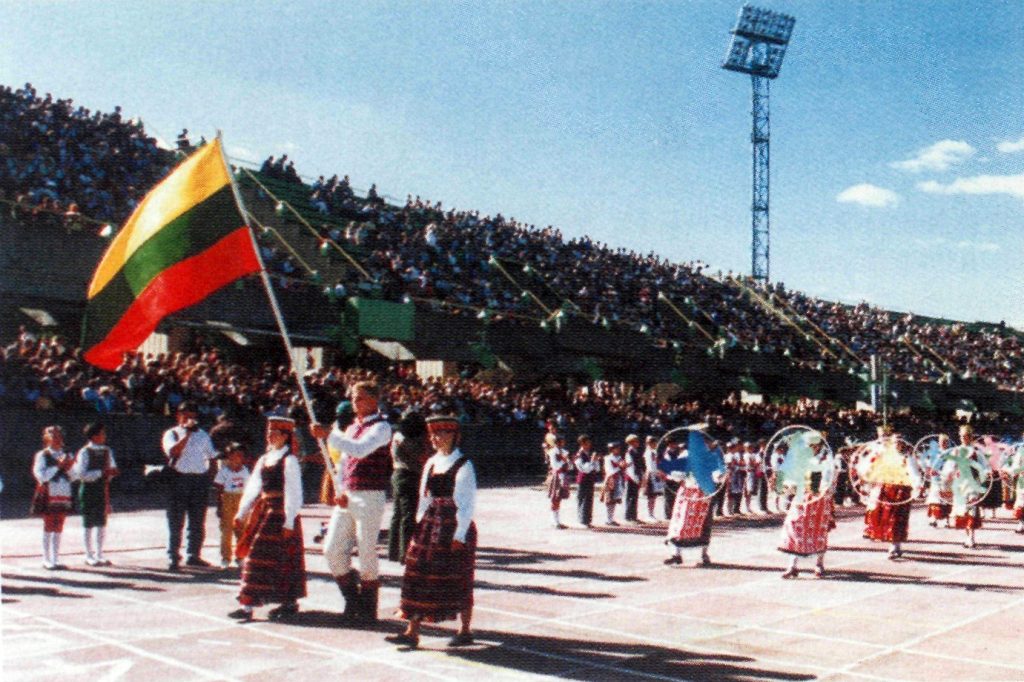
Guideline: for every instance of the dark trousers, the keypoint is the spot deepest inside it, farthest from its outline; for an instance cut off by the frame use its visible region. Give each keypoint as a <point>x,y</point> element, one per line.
<point>671,488</point>
<point>718,501</point>
<point>405,492</point>
<point>585,502</point>
<point>188,495</point>
<point>734,502</point>
<point>762,493</point>
<point>632,497</point>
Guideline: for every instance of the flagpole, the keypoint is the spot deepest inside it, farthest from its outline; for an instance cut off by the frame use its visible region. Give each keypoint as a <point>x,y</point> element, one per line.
<point>276,308</point>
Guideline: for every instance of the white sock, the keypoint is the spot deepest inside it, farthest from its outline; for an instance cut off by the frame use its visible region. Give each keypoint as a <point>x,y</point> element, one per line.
<point>101,535</point>
<point>554,517</point>
<point>88,544</point>
<point>55,547</point>
<point>793,561</point>
<point>47,551</point>
<point>678,551</point>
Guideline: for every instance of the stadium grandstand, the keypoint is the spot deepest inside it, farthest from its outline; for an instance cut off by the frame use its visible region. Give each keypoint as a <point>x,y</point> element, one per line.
<point>511,324</point>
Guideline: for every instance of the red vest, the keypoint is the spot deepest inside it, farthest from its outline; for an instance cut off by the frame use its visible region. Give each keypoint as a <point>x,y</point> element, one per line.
<point>372,472</point>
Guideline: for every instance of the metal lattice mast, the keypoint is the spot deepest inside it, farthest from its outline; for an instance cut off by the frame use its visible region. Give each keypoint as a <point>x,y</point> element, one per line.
<point>760,227</point>
<point>758,45</point>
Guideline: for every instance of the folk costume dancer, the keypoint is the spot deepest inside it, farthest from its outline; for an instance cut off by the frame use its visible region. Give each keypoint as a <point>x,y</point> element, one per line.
<point>270,544</point>
<point>994,495</point>
<point>361,487</point>
<point>967,475</point>
<point>812,514</point>
<point>1015,471</point>
<point>559,467</point>
<point>410,448</point>
<point>439,566</point>
<point>700,474</point>
<point>939,493</point>
<point>94,467</point>
<point>633,473</point>
<point>654,479</point>
<point>893,476</point>
<point>613,488</point>
<point>51,467</point>
<point>588,471</point>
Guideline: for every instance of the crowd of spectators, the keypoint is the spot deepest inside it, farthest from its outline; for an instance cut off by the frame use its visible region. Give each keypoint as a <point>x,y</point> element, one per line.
<point>64,164</point>
<point>61,158</point>
<point>49,374</point>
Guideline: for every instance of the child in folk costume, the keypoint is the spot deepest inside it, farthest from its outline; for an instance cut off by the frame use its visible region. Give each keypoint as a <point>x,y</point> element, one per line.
<point>588,472</point>
<point>613,487</point>
<point>94,467</point>
<point>559,467</point>
<point>967,475</point>
<point>939,493</point>
<point>654,479</point>
<point>230,482</point>
<point>344,414</point>
<point>270,543</point>
<point>440,562</point>
<point>51,468</point>
<point>812,514</point>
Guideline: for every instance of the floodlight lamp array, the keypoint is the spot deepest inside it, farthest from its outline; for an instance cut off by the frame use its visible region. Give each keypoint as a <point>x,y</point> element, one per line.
<point>759,42</point>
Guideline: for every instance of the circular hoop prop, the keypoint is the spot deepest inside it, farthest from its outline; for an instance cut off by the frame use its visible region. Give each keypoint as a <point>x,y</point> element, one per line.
<point>786,437</point>
<point>863,488</point>
<point>979,456</point>
<point>666,438</point>
<point>929,466</point>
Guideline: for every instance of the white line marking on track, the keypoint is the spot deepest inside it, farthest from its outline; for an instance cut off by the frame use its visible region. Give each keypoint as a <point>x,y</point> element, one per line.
<point>138,651</point>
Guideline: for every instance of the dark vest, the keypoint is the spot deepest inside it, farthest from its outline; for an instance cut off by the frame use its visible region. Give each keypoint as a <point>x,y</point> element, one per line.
<point>372,472</point>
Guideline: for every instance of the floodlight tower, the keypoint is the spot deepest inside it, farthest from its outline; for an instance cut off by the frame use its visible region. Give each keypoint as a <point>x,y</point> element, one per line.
<point>758,45</point>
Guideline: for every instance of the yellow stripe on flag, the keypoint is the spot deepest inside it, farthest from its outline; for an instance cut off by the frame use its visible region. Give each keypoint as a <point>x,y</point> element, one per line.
<point>194,181</point>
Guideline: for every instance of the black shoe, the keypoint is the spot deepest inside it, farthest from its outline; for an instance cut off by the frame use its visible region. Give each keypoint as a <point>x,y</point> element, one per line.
<point>674,560</point>
<point>241,614</point>
<point>403,639</point>
<point>283,612</point>
<point>197,562</point>
<point>461,639</point>
<point>174,565</point>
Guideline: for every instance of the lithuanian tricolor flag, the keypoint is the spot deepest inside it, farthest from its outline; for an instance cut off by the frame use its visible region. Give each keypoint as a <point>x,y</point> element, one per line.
<point>186,239</point>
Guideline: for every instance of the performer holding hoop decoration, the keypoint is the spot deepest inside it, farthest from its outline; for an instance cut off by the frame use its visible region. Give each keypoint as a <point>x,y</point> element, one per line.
<point>805,466</point>
<point>967,471</point>
<point>1015,470</point>
<point>939,498</point>
<point>887,475</point>
<point>701,474</point>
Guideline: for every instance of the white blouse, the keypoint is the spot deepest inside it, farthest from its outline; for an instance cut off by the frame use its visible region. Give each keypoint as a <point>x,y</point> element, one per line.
<point>292,485</point>
<point>464,493</point>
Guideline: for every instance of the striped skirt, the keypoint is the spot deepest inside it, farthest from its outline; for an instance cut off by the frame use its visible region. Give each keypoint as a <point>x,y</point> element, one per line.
<point>438,582</point>
<point>274,569</point>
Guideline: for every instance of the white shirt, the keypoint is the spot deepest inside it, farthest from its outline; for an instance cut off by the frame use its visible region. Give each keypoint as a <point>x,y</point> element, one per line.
<point>369,441</point>
<point>651,460</point>
<point>46,474</point>
<point>80,471</point>
<point>464,493</point>
<point>197,453</point>
<point>231,481</point>
<point>588,467</point>
<point>292,485</point>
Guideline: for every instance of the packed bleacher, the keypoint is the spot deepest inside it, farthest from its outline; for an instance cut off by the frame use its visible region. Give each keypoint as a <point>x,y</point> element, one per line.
<point>62,160</point>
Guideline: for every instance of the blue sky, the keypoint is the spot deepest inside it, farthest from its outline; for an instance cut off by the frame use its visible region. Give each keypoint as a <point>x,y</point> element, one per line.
<point>897,128</point>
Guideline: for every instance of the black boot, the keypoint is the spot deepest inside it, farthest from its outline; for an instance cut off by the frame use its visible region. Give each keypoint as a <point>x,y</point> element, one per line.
<point>349,586</point>
<point>368,598</point>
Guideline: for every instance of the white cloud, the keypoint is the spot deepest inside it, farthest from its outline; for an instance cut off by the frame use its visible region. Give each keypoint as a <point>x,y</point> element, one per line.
<point>866,194</point>
<point>938,157</point>
<point>984,247</point>
<point>1010,147</point>
<point>1012,185</point>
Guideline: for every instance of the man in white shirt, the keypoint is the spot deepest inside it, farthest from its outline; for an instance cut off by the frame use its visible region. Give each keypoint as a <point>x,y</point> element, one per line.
<point>189,451</point>
<point>361,482</point>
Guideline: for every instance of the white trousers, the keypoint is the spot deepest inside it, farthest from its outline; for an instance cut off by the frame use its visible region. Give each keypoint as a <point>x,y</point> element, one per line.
<point>359,523</point>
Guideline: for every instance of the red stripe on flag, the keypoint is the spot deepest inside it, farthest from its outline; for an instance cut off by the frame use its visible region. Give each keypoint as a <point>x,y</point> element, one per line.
<point>179,286</point>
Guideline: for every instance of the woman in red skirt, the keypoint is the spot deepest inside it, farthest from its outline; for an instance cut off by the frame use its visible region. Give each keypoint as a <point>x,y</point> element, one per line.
<point>439,564</point>
<point>270,543</point>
